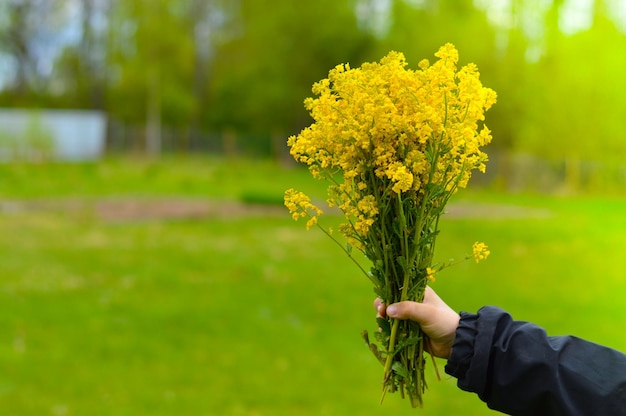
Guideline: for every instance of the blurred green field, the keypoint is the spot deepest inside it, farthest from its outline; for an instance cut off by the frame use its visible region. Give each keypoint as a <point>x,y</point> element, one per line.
<point>251,314</point>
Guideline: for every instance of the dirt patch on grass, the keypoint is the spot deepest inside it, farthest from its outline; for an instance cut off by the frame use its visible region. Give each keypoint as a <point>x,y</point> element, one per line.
<point>494,211</point>
<point>180,208</point>
<point>165,208</point>
<point>140,208</point>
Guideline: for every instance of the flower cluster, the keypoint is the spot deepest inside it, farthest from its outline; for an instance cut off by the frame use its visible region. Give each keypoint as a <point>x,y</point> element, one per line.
<point>300,206</point>
<point>481,251</point>
<point>409,128</point>
<point>395,144</point>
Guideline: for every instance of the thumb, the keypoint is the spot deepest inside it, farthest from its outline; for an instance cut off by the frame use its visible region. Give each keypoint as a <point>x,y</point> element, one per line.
<point>419,312</point>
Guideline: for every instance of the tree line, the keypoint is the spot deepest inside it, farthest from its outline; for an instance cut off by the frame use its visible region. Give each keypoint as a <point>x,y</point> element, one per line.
<point>245,66</point>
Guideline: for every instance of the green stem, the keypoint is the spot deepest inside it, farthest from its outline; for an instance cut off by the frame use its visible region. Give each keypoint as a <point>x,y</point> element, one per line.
<point>369,276</point>
<point>405,288</point>
<point>390,354</point>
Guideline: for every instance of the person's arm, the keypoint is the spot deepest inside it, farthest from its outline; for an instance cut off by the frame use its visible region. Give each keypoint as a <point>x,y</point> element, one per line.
<point>516,368</point>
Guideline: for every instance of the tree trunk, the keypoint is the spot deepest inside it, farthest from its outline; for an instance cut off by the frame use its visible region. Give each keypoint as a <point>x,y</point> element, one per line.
<point>572,174</point>
<point>153,121</point>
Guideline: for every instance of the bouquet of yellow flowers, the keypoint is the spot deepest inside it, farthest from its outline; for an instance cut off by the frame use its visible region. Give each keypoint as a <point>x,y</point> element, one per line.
<point>395,145</point>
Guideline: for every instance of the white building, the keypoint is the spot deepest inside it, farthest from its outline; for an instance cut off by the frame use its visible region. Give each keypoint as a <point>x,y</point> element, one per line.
<point>69,135</point>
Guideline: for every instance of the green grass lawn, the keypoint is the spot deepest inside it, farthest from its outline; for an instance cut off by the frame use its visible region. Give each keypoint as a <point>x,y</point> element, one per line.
<point>254,315</point>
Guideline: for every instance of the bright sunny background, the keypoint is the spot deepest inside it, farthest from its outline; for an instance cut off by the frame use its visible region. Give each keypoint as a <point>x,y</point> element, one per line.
<point>165,278</point>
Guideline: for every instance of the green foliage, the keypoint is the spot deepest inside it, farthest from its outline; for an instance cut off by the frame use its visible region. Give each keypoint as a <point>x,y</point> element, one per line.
<point>578,116</point>
<point>250,315</point>
<point>262,76</point>
<point>418,31</point>
<point>154,68</point>
<point>246,66</point>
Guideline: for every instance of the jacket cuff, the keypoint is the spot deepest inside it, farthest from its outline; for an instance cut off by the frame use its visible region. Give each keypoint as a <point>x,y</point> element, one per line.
<point>463,347</point>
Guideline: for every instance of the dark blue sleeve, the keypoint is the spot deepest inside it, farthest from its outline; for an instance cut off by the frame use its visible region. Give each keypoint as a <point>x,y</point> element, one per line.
<point>517,369</point>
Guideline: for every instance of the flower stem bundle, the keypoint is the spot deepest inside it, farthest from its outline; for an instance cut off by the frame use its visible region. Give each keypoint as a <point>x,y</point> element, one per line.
<point>395,144</point>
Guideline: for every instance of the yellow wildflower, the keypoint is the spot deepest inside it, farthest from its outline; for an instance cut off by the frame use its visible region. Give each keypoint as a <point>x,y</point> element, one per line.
<point>367,206</point>
<point>300,206</point>
<point>367,211</point>
<point>403,179</point>
<point>481,251</point>
<point>430,274</point>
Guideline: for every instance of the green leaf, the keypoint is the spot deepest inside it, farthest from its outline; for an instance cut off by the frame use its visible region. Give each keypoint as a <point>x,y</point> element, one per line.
<point>400,369</point>
<point>384,325</point>
<point>408,342</point>
<point>380,292</point>
<point>373,347</point>
<point>403,264</point>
